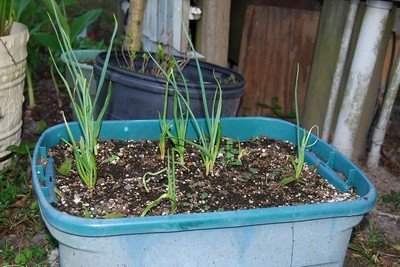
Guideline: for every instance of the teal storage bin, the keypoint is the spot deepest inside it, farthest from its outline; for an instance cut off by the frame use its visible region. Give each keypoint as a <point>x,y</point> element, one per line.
<point>315,234</point>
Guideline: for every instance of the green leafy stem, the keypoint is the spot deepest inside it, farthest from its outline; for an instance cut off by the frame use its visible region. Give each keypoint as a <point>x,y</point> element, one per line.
<point>85,108</point>
<point>298,164</point>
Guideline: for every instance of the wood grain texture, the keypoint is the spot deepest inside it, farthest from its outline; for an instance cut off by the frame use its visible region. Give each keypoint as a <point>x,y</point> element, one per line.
<point>212,37</point>
<point>274,40</point>
<point>163,24</point>
<point>326,51</point>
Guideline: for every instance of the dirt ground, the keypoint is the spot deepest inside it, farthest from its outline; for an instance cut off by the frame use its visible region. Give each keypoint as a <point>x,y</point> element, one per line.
<point>385,182</point>
<point>377,238</point>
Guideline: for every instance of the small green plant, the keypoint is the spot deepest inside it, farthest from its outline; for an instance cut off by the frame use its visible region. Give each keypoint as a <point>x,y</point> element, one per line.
<point>302,145</point>
<point>145,58</point>
<point>6,16</point>
<point>65,167</point>
<point>232,156</point>
<point>31,14</point>
<point>86,149</point>
<point>111,159</point>
<point>369,247</point>
<point>179,114</point>
<point>171,187</point>
<point>209,139</point>
<point>394,197</point>
<point>276,109</point>
<point>19,212</point>
<point>165,125</point>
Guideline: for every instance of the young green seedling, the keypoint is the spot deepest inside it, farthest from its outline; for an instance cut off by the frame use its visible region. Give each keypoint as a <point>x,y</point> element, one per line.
<point>165,125</point>
<point>210,138</point>
<point>232,155</point>
<point>145,61</point>
<point>180,116</point>
<point>171,187</point>
<point>298,164</point>
<point>144,181</point>
<point>85,109</point>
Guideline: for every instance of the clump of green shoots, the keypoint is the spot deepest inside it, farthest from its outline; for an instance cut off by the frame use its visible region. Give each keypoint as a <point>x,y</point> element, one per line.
<point>6,16</point>
<point>233,156</point>
<point>302,145</point>
<point>165,125</point>
<point>163,62</point>
<point>180,116</point>
<point>210,138</point>
<point>84,107</point>
<point>171,187</point>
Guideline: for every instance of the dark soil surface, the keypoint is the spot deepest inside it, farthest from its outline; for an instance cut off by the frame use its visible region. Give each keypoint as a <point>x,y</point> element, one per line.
<point>244,178</point>
<point>48,109</point>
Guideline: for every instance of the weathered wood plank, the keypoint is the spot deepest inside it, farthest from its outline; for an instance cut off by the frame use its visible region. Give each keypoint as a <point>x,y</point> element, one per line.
<point>163,24</point>
<point>330,31</point>
<point>212,35</point>
<point>274,40</point>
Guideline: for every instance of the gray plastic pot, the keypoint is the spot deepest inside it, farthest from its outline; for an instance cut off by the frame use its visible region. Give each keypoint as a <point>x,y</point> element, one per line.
<point>303,235</point>
<point>86,59</point>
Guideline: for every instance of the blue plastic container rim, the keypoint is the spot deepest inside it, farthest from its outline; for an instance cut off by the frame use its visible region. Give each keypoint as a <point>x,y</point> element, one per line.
<point>249,127</point>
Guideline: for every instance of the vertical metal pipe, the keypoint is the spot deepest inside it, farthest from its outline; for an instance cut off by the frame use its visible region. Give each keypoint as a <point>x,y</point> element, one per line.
<point>361,71</point>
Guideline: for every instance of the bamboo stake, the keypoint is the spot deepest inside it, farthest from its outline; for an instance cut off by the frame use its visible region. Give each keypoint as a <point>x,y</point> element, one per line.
<point>133,38</point>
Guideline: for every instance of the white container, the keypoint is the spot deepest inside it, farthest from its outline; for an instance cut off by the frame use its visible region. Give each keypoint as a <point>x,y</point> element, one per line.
<point>12,77</point>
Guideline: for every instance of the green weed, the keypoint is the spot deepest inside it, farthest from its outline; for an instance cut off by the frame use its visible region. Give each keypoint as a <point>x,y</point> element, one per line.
<point>232,155</point>
<point>276,109</point>
<point>369,246</point>
<point>394,197</point>
<point>19,212</point>
<point>171,187</point>
<point>29,256</point>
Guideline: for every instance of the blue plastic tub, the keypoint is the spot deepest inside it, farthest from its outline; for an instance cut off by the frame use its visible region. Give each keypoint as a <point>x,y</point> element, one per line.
<point>315,234</point>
